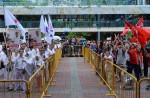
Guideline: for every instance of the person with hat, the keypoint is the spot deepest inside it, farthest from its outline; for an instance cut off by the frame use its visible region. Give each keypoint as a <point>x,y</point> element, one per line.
<point>134,61</point>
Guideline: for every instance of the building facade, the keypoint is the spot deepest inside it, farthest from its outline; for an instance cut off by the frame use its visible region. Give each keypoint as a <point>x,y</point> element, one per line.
<point>99,16</point>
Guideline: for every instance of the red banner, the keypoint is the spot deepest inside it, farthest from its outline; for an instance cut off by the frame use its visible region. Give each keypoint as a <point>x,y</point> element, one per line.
<point>13,45</point>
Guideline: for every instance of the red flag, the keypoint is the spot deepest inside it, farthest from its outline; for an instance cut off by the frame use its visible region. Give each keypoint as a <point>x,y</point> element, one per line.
<point>126,30</point>
<point>140,22</point>
<point>139,25</point>
<point>147,30</point>
<point>142,35</point>
<point>133,39</point>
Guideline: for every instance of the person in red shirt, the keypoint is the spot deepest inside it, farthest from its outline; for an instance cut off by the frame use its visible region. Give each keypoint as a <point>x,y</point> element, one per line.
<point>134,62</point>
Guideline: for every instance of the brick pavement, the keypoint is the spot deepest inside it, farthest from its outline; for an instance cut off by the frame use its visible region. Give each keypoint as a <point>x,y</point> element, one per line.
<point>76,79</point>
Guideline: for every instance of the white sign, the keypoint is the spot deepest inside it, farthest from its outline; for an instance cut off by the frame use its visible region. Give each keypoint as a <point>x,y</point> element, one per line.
<point>35,34</point>
<point>14,35</point>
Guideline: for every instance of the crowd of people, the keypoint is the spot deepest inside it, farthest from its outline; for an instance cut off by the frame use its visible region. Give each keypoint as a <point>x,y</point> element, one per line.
<point>23,61</point>
<point>130,56</point>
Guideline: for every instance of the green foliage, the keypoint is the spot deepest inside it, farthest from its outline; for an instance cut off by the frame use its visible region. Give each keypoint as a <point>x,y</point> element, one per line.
<point>42,35</point>
<point>129,34</point>
<point>79,34</point>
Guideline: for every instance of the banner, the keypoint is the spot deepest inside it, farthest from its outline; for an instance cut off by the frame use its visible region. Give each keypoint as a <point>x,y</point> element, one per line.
<point>13,45</point>
<point>35,34</point>
<point>14,35</point>
<point>10,19</point>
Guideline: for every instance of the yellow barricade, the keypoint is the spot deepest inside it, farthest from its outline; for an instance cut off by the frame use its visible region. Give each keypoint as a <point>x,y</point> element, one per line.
<point>127,86</point>
<point>107,71</point>
<point>144,88</point>
<point>43,77</point>
<point>13,94</point>
<point>38,83</point>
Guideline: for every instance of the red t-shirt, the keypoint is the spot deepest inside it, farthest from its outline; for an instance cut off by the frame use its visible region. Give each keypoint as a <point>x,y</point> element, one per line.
<point>133,56</point>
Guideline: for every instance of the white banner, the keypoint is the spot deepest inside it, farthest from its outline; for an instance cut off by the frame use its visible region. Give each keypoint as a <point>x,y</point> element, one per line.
<point>14,35</point>
<point>35,34</point>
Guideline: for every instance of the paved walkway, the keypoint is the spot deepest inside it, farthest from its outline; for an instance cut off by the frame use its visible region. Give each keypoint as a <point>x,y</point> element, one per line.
<point>76,79</point>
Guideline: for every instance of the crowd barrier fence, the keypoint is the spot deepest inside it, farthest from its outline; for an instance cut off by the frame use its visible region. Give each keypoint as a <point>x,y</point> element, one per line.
<point>38,83</point>
<point>144,88</point>
<point>120,83</point>
<point>72,50</point>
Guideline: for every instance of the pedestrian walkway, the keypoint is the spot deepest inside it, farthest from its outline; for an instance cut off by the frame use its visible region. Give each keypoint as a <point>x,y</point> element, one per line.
<point>76,79</point>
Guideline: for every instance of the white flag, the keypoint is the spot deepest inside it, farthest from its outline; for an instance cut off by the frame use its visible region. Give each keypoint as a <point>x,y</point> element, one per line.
<point>46,27</point>
<point>42,25</point>
<point>10,19</point>
<point>48,37</point>
<point>50,27</point>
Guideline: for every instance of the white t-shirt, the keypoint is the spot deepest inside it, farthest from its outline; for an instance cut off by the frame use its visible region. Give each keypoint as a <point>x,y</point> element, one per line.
<point>121,59</point>
<point>17,40</point>
<point>38,39</point>
<point>109,57</point>
<point>47,53</point>
<point>35,52</point>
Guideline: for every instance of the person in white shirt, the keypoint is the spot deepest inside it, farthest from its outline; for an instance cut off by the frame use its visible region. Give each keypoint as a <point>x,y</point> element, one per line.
<point>35,51</point>
<point>19,68</point>
<point>59,44</point>
<point>9,70</point>
<point>108,66</point>
<point>26,50</point>
<point>52,49</point>
<point>17,38</point>
<point>55,45</point>
<point>14,57</point>
<point>38,37</point>
<point>2,67</point>
<point>4,62</point>
<point>37,64</point>
<point>41,54</point>
<point>47,52</point>
<point>28,69</point>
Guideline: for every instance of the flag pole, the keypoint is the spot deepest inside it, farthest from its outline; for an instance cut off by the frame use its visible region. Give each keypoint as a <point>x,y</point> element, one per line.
<point>5,30</point>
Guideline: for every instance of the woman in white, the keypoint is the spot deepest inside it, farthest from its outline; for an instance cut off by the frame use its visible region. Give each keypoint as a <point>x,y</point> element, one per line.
<point>108,67</point>
<point>37,64</point>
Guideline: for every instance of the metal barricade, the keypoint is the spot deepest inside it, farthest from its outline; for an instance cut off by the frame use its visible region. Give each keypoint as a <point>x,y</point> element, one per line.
<point>124,88</point>
<point>97,63</point>
<point>19,93</point>
<point>144,88</point>
<point>43,77</point>
<point>37,84</point>
<point>72,50</point>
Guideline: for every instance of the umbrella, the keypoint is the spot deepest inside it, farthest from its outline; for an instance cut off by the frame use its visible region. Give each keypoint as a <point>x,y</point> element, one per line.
<point>57,38</point>
<point>83,38</point>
